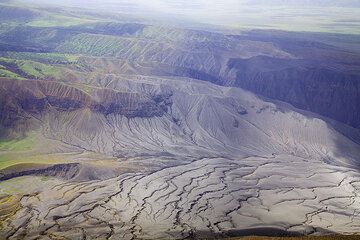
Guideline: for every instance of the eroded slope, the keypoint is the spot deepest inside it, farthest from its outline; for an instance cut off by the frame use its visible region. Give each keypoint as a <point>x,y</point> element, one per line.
<point>217,161</point>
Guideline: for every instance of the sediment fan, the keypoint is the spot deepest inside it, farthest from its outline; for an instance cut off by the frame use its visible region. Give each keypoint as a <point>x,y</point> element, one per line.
<point>197,158</point>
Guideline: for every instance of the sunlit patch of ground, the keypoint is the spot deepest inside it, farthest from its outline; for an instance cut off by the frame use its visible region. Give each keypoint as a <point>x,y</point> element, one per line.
<point>17,159</point>
<point>9,204</point>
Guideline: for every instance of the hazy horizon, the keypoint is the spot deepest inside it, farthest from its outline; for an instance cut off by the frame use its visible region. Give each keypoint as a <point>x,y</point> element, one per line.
<point>295,15</point>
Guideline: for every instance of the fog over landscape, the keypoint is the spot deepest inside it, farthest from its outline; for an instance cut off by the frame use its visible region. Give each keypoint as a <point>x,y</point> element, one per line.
<point>295,15</point>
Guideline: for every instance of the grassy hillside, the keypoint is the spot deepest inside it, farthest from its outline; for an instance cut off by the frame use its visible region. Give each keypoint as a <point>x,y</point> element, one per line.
<point>18,144</point>
<point>46,58</point>
<point>29,69</point>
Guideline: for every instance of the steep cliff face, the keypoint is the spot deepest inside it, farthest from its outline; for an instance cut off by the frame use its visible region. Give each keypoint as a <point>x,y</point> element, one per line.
<point>130,104</point>
<point>21,99</point>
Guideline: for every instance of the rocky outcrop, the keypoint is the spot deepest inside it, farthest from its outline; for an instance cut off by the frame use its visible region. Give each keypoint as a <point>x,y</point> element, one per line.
<point>20,98</point>
<point>63,171</point>
<point>130,104</point>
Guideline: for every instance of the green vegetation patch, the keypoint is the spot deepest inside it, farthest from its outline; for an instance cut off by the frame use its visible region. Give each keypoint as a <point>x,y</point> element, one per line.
<point>6,73</point>
<point>28,69</point>
<point>38,70</point>
<point>46,58</point>
<point>57,21</point>
<point>24,144</point>
<point>98,45</point>
<point>23,159</point>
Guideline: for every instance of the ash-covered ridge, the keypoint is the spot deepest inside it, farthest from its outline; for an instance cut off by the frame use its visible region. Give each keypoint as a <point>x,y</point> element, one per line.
<point>220,160</point>
<point>21,99</point>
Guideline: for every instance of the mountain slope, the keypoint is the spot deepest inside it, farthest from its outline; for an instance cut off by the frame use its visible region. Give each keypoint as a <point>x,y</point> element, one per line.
<point>217,157</point>
<point>117,130</point>
<point>284,66</point>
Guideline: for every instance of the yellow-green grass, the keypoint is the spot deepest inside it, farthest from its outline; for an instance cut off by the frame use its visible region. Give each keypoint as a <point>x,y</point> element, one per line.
<point>28,68</point>
<point>38,70</point>
<point>17,159</point>
<point>12,190</point>
<point>24,151</point>
<point>47,58</point>
<point>9,204</point>
<point>6,60</point>
<point>6,73</point>
<point>58,21</point>
<point>24,185</point>
<point>23,167</point>
<point>23,144</point>
<point>95,44</point>
<point>11,161</point>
